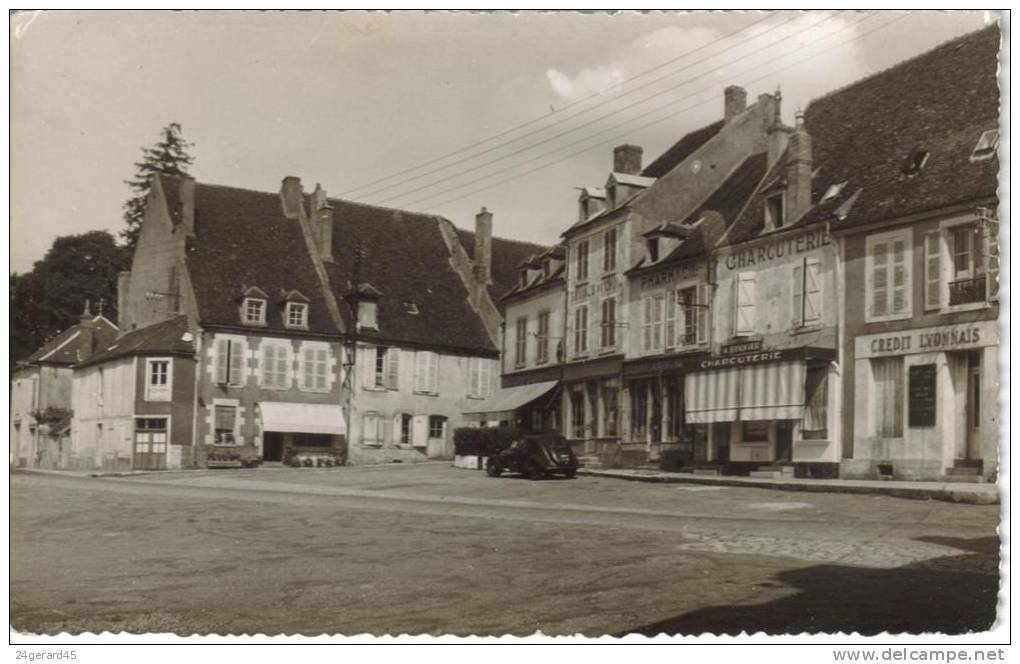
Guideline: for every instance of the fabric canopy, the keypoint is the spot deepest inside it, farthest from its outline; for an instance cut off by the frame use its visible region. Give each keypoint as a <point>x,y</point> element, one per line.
<point>510,399</point>
<point>761,392</point>
<point>302,418</point>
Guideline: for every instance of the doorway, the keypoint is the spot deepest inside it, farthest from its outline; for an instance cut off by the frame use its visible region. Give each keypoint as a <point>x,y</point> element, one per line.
<point>150,443</point>
<point>272,446</point>
<point>784,441</point>
<point>973,407</point>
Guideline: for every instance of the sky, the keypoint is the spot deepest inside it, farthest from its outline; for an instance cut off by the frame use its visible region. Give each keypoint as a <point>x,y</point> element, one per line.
<point>437,112</point>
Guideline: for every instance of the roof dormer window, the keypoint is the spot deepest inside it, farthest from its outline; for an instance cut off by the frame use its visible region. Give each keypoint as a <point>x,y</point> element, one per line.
<point>253,311</point>
<point>986,146</point>
<point>653,249</point>
<point>297,315</point>
<point>775,211</point>
<point>368,315</point>
<point>915,162</point>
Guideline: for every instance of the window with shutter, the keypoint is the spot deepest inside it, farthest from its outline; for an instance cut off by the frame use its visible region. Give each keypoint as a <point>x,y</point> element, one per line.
<point>704,311</point>
<point>807,292</point>
<point>222,360</point>
<point>798,295</point>
<point>230,367</point>
<point>670,335</point>
<point>393,369</point>
<point>658,305</point>
<point>990,228</point>
<point>745,303</point>
<point>521,342</point>
<point>608,336</point>
<point>933,270</point>
<point>426,372</point>
<point>888,392</point>
<point>888,276</point>
<point>542,339</point>
<point>581,329</point>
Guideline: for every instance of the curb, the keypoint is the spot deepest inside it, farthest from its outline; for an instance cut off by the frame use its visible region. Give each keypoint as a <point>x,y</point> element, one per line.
<point>943,492</point>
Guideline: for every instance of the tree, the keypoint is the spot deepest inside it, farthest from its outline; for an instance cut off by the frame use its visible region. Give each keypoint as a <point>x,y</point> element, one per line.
<point>169,156</point>
<point>51,297</point>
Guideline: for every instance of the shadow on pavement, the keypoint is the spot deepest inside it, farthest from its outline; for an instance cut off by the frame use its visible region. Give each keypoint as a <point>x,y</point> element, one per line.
<point>951,595</point>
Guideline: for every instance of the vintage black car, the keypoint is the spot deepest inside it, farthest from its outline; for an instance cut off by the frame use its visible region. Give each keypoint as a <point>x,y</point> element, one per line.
<point>535,456</point>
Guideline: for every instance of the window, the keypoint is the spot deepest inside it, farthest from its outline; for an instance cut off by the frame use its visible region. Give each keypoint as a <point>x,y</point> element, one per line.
<point>807,292</point>
<point>775,212</point>
<point>225,423</point>
<point>543,338</point>
<point>915,161</point>
<point>638,409</point>
<point>888,395</point>
<point>704,311</point>
<point>405,428</point>
<point>582,260</point>
<point>651,327</point>
<point>745,301</point>
<point>986,146</point>
<point>230,367</point>
<point>933,270</point>
<point>670,334</point>
<point>967,248</point>
<point>675,409</point>
<point>609,322</point>
<point>581,329</point>
<point>756,432</point>
<point>150,435</point>
<point>373,429</point>
<point>521,343</point>
<point>577,414</point>
<point>158,382</point>
<point>653,249</point>
<point>315,367</point>
<point>888,276</point>
<point>253,311</point>
<point>368,315</point>
<point>479,377</point>
<point>297,314</point>
<point>275,364</point>
<point>688,299</point>
<point>437,426</point>
<point>426,372</point>
<point>610,411</point>
<point>609,251</point>
<point>816,404</point>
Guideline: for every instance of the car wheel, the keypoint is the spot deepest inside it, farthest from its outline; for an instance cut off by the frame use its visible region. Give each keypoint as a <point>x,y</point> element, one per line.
<point>572,472</point>
<point>533,472</point>
<point>493,468</point>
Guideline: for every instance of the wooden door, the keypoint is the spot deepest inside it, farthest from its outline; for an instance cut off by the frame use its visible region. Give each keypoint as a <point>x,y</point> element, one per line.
<point>150,443</point>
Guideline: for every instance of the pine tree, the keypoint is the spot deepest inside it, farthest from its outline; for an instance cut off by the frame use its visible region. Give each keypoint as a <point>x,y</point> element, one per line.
<point>169,156</point>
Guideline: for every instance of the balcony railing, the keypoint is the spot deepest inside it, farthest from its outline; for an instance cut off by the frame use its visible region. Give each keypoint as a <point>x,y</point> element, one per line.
<point>966,291</point>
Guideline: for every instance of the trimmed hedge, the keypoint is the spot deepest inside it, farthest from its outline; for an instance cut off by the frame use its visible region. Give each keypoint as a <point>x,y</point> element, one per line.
<point>314,457</point>
<point>484,441</point>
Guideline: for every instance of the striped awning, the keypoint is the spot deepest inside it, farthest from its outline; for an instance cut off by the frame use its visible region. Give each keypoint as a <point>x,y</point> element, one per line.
<point>761,392</point>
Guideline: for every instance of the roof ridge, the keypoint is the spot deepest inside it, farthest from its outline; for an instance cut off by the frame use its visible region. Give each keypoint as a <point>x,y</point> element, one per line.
<point>931,51</point>
<point>525,243</point>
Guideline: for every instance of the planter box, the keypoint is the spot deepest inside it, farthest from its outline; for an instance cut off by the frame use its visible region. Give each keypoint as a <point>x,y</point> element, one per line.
<point>469,461</point>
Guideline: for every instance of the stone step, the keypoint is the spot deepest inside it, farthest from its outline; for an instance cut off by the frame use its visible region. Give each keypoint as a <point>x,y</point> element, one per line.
<point>769,474</point>
<point>969,479</point>
<point>968,463</point>
<point>963,471</point>
<point>706,471</point>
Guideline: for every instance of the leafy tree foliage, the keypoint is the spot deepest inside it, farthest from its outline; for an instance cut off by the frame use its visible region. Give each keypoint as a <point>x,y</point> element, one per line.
<point>169,156</point>
<point>51,297</point>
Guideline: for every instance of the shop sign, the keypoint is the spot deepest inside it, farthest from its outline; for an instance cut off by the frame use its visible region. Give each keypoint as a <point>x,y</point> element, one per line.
<point>741,347</point>
<point>778,249</point>
<point>677,273</point>
<point>654,367</point>
<point>921,395</point>
<point>607,286</point>
<point>929,340</point>
<point>742,360</point>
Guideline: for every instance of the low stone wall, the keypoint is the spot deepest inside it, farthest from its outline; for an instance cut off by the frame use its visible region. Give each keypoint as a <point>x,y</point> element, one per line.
<point>469,461</point>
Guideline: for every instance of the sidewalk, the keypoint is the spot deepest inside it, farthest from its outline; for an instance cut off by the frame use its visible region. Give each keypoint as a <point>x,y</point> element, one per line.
<point>954,492</point>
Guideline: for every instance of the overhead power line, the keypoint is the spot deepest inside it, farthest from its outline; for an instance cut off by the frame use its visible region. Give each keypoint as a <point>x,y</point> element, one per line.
<point>654,122</point>
<point>588,123</point>
<point>566,107</point>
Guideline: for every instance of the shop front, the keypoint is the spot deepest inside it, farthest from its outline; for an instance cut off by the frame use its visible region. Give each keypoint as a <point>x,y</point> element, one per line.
<point>289,428</point>
<point>925,403</point>
<point>530,407</point>
<point>592,407</point>
<point>654,390</point>
<point>755,407</point>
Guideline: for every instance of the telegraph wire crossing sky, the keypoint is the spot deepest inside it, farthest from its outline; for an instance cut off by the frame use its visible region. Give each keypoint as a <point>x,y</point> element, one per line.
<point>509,111</point>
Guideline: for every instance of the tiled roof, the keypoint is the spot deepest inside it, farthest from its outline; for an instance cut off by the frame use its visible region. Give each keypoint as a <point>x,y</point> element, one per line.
<point>507,256</point>
<point>243,240</point>
<point>408,261</point>
<point>680,150</point>
<point>557,275</point>
<point>66,348</point>
<point>169,337</point>
<point>940,102</point>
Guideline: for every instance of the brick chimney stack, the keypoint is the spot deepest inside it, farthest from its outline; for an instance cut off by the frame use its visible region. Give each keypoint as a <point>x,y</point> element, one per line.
<point>292,197</point>
<point>483,247</point>
<point>799,166</point>
<point>778,134</point>
<point>627,159</point>
<point>87,330</point>
<point>322,223</point>
<point>734,102</point>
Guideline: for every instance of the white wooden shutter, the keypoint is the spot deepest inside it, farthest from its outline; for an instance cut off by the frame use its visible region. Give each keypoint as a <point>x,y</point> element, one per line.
<point>368,366</point>
<point>421,362</point>
<point>812,290</point>
<point>798,295</point>
<point>704,312</point>
<point>990,229</point>
<point>671,318</point>
<point>393,368</point>
<point>323,380</point>
<point>646,331</point>
<point>900,301</point>
<point>932,270</point>
<point>419,430</point>
<point>746,302</point>
<point>222,355</point>
<point>434,373</point>
<point>237,370</point>
<point>880,279</point>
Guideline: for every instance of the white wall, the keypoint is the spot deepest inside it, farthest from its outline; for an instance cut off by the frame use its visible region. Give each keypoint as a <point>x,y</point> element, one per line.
<point>103,398</point>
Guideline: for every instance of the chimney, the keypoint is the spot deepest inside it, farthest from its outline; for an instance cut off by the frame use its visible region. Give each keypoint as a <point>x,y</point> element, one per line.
<point>627,159</point>
<point>322,223</point>
<point>186,193</point>
<point>123,286</point>
<point>87,330</point>
<point>292,197</point>
<point>483,247</point>
<point>798,171</point>
<point>734,102</point>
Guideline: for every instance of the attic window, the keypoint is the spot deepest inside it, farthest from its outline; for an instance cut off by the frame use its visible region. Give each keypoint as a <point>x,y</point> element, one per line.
<point>546,268</point>
<point>297,314</point>
<point>653,249</point>
<point>775,213</point>
<point>411,308</point>
<point>915,162</point>
<point>833,191</point>
<point>253,311</point>
<point>368,315</point>
<point>986,146</point>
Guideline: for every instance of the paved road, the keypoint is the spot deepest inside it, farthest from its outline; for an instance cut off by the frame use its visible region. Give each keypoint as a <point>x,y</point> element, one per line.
<point>433,549</point>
